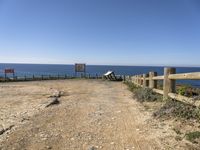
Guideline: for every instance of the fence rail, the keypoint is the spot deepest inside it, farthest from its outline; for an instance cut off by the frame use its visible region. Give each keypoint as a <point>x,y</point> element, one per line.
<point>169,83</point>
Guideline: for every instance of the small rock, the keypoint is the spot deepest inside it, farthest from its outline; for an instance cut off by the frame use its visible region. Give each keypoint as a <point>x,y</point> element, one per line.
<point>92,148</point>
<point>49,147</point>
<point>1,129</point>
<point>112,143</point>
<point>137,129</point>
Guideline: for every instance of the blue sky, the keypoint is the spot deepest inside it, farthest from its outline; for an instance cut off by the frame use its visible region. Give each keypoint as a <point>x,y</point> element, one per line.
<point>116,32</point>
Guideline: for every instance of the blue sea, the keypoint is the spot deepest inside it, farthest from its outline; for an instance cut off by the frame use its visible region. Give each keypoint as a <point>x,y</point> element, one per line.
<point>47,69</point>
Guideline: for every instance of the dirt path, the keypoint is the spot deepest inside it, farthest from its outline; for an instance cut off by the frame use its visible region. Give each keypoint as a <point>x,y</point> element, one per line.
<point>91,115</point>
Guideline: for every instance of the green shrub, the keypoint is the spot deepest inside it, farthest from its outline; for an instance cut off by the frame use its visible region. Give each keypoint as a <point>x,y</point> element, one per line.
<point>182,90</point>
<point>131,86</point>
<point>192,136</point>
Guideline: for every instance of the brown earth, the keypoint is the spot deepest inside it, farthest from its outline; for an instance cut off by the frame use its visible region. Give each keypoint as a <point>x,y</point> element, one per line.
<point>92,114</point>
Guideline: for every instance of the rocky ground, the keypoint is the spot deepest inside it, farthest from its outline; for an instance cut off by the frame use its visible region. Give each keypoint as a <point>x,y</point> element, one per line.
<point>80,115</point>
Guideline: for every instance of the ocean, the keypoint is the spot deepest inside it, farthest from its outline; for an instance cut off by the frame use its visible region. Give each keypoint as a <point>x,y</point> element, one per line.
<point>50,69</point>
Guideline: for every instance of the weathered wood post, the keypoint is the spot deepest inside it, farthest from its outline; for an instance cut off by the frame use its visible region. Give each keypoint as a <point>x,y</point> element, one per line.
<point>124,78</point>
<point>144,80</point>
<point>137,80</point>
<point>141,80</point>
<point>152,83</point>
<point>169,86</point>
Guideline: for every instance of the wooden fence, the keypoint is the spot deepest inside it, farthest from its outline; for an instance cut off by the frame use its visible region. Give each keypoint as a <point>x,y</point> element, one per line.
<point>169,83</point>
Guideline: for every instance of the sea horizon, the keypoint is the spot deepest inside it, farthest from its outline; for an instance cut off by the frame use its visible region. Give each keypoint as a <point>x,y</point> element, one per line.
<point>29,70</point>
<point>121,65</point>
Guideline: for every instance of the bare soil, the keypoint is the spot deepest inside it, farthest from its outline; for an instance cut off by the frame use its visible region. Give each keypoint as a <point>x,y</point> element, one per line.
<point>92,114</point>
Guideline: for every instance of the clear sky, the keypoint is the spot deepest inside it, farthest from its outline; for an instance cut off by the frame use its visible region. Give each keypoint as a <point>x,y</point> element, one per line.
<point>116,32</point>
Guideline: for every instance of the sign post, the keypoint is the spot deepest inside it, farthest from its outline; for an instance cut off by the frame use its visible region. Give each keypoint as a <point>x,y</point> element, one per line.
<point>9,71</point>
<point>80,68</point>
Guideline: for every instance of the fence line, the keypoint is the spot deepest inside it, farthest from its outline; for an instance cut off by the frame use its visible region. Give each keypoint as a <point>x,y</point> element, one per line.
<point>45,77</point>
<point>169,83</point>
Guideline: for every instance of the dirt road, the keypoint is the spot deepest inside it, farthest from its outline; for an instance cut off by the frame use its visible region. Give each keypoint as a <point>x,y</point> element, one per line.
<point>91,115</point>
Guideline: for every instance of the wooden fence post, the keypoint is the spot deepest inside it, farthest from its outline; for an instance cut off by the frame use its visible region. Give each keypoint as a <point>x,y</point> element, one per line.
<point>138,80</point>
<point>144,80</point>
<point>141,80</point>
<point>152,83</point>
<point>169,86</point>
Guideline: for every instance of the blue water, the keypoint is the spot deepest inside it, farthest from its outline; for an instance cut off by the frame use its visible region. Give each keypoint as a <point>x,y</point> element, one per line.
<point>36,69</point>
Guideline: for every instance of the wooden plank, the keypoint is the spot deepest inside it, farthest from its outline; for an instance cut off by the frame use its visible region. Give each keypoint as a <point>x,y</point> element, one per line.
<point>158,78</point>
<point>184,99</point>
<point>158,91</point>
<point>185,76</point>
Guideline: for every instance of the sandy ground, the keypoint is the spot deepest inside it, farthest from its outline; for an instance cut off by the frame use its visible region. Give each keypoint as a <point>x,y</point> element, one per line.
<point>92,114</point>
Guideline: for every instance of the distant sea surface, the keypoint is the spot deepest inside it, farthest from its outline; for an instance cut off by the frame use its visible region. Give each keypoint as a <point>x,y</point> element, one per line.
<point>43,69</point>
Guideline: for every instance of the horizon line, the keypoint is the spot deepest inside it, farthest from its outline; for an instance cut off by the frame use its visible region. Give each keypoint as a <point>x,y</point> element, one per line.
<point>90,64</point>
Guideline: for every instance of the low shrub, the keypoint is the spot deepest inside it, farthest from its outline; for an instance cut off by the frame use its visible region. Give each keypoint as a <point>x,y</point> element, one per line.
<point>146,95</point>
<point>143,94</point>
<point>173,108</point>
<point>193,136</point>
<point>131,86</point>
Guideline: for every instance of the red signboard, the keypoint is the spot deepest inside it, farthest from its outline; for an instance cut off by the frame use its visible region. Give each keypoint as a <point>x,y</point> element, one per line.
<point>9,71</point>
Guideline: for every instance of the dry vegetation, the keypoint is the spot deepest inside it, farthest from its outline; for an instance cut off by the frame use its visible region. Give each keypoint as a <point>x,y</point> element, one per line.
<point>184,118</point>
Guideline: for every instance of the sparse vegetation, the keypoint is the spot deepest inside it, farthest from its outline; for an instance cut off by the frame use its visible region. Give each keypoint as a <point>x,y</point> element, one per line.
<point>146,94</point>
<point>131,86</point>
<point>173,108</point>
<point>182,90</point>
<point>187,90</point>
<point>143,94</point>
<point>177,131</point>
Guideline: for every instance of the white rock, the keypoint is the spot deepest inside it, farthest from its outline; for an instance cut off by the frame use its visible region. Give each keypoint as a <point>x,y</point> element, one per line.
<point>112,143</point>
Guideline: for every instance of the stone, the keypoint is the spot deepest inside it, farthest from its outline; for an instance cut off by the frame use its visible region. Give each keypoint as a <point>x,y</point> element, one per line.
<point>1,129</point>
<point>112,143</point>
<point>53,101</point>
<point>92,148</point>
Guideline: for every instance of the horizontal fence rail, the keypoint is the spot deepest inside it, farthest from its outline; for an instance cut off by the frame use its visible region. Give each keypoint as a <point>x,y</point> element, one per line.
<point>169,83</point>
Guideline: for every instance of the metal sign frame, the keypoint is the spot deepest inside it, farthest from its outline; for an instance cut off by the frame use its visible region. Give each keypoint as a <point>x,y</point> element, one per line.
<point>80,68</point>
